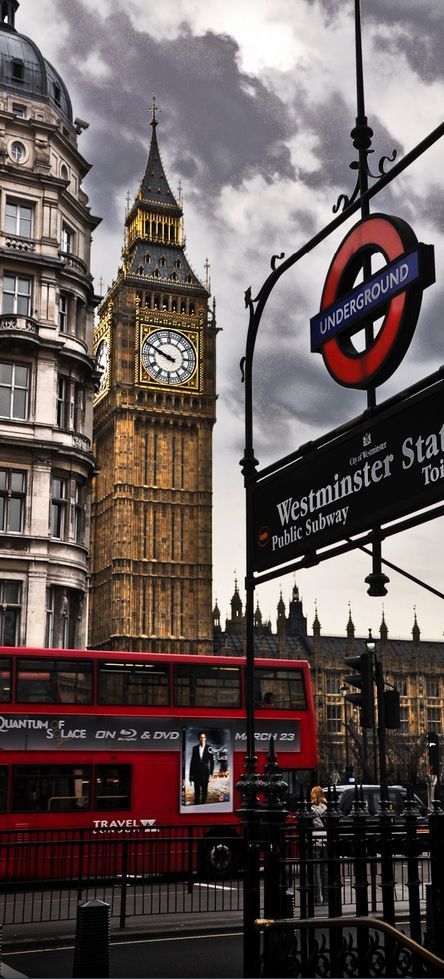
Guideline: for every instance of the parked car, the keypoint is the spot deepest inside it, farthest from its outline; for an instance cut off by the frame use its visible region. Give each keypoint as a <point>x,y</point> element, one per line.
<point>397,796</point>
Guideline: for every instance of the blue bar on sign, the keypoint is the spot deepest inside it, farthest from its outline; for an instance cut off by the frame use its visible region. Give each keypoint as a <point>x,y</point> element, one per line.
<point>363,300</point>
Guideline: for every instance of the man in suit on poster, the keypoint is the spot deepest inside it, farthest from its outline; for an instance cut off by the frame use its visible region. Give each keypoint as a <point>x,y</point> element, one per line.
<point>201,767</point>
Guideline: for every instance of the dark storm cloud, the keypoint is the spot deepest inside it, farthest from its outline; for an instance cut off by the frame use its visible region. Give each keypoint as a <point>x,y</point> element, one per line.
<point>416,31</point>
<point>218,123</point>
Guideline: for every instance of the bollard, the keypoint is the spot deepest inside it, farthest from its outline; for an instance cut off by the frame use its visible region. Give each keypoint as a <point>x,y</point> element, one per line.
<point>91,951</point>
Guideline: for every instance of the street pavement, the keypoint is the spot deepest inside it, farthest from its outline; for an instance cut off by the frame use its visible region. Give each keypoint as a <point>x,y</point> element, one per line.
<point>165,956</point>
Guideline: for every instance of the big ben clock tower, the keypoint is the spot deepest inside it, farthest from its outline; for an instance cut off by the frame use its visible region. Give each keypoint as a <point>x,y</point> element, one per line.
<point>151,568</point>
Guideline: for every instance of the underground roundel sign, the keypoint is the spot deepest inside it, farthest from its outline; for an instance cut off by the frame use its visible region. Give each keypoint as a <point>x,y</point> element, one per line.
<point>392,294</point>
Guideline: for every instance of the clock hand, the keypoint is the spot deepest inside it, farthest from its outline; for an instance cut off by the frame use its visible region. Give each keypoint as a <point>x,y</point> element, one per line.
<point>162,352</point>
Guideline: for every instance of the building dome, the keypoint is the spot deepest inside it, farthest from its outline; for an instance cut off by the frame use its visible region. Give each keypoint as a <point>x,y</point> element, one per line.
<point>24,70</point>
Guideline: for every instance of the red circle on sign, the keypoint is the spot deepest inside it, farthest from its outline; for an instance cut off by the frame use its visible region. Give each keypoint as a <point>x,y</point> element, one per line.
<point>393,237</point>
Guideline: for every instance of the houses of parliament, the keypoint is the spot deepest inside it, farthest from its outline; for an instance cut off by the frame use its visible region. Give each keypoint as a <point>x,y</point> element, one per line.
<point>107,407</point>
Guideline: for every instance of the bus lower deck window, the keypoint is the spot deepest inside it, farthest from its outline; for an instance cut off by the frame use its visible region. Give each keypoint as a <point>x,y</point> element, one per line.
<point>50,788</point>
<point>112,787</point>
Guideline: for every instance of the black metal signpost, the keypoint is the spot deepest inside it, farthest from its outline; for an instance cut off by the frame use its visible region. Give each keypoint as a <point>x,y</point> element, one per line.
<point>379,469</point>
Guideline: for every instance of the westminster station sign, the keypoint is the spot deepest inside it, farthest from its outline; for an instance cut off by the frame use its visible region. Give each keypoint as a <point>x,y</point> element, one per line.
<point>383,468</point>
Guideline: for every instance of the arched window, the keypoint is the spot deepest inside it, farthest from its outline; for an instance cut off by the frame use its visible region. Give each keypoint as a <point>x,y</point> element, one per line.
<point>156,302</point>
<point>174,305</point>
<point>182,306</point>
<point>163,261</point>
<point>191,309</point>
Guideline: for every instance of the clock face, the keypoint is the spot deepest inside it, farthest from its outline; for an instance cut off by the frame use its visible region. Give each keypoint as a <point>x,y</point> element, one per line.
<point>168,357</point>
<point>102,359</point>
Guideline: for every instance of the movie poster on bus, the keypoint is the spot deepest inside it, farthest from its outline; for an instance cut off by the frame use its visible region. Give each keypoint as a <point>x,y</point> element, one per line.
<point>207,769</point>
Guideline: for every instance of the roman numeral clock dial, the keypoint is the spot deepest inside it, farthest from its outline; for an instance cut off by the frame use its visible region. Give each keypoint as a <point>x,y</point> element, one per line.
<point>169,357</point>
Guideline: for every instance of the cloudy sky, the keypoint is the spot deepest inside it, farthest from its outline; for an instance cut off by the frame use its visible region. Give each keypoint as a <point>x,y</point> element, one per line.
<point>257,100</point>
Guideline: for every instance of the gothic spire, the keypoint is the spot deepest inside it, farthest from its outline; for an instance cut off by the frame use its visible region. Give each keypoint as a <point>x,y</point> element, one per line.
<point>155,187</point>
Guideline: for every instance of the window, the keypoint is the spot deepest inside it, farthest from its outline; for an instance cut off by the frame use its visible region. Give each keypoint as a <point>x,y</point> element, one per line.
<point>3,787</point>
<point>136,684</point>
<point>79,512</point>
<point>404,719</point>
<point>63,393</point>
<point>14,386</point>
<point>334,718</point>
<point>16,295</point>
<point>207,686</point>
<point>434,719</point>
<point>64,610</point>
<point>68,237</point>
<point>79,407</point>
<point>17,70</point>
<point>50,788</point>
<point>5,680</point>
<point>112,787</point>
<point>48,681</point>
<point>57,94</point>
<point>432,686</point>
<point>10,607</point>
<point>59,504</point>
<point>18,218</point>
<point>332,683</point>
<point>19,110</point>
<point>12,500</point>
<point>63,312</point>
<point>279,689</point>
<point>17,151</point>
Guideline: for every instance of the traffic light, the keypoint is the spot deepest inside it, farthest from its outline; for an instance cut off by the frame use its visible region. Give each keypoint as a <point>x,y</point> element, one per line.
<point>363,679</point>
<point>392,709</point>
<point>433,748</point>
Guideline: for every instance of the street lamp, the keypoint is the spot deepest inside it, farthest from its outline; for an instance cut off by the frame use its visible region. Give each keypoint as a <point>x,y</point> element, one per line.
<point>344,690</point>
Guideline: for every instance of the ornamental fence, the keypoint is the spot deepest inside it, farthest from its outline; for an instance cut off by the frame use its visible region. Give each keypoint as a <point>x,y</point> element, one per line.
<point>359,867</point>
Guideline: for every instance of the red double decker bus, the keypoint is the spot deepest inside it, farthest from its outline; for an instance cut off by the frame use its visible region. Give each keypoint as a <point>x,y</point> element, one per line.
<point>115,742</point>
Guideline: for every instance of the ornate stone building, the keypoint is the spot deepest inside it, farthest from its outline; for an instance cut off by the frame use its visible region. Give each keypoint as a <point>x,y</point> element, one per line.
<point>413,666</point>
<point>154,413</point>
<point>46,366</point>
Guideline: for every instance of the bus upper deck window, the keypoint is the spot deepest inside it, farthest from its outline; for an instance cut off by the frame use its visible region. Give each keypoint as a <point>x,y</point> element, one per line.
<point>51,681</point>
<point>135,684</point>
<point>5,680</point>
<point>206,686</point>
<point>276,689</point>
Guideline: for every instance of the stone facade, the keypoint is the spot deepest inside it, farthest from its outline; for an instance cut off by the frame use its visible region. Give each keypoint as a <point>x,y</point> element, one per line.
<point>46,367</point>
<point>413,666</point>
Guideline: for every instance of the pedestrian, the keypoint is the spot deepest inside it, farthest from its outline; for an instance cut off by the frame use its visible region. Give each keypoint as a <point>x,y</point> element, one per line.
<point>201,767</point>
<point>318,808</point>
